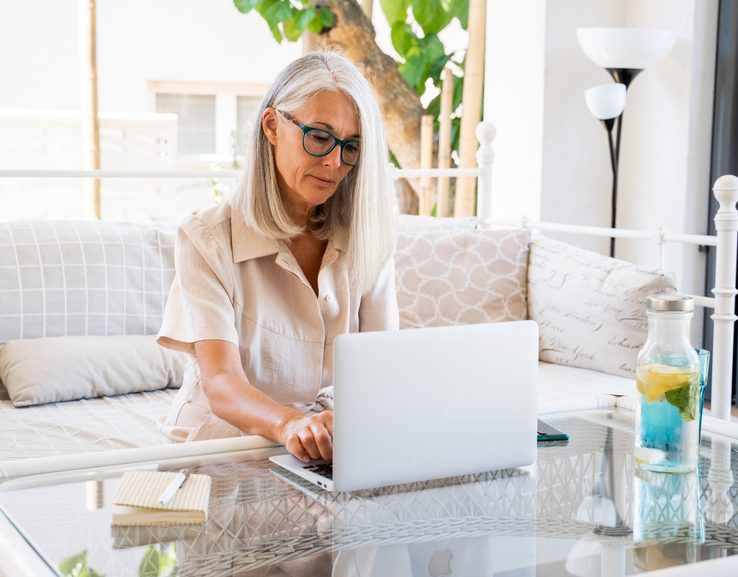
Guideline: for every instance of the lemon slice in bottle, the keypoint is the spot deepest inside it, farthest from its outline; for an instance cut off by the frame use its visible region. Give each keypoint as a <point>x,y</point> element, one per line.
<point>646,456</point>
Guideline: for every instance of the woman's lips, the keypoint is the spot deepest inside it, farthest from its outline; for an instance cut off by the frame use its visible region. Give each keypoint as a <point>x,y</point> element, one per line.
<point>322,180</point>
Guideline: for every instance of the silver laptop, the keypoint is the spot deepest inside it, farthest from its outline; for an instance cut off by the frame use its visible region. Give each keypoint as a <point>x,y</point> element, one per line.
<point>420,404</point>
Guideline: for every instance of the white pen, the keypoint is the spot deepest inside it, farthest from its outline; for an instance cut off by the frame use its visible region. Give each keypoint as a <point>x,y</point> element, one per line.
<point>174,486</point>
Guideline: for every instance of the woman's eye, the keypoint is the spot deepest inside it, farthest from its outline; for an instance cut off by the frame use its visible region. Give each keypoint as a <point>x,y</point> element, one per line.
<point>319,138</point>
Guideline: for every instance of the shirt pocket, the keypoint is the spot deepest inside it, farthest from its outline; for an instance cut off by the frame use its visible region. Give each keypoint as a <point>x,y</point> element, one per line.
<point>287,368</point>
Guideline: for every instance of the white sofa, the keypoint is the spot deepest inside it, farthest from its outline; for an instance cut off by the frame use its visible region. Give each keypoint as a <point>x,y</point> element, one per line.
<point>105,284</point>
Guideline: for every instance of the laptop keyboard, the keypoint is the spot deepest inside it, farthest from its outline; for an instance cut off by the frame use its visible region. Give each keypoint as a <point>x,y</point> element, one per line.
<point>324,469</point>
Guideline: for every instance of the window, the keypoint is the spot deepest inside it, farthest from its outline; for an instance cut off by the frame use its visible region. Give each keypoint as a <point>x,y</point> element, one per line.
<point>213,118</point>
<point>195,121</point>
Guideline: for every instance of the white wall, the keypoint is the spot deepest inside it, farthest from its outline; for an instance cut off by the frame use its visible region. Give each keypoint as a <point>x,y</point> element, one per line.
<point>665,153</point>
<point>138,41</point>
<point>552,155</point>
<point>576,180</point>
<point>513,101</point>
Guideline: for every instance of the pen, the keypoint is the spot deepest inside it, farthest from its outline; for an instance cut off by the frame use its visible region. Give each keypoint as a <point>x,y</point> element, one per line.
<point>174,486</point>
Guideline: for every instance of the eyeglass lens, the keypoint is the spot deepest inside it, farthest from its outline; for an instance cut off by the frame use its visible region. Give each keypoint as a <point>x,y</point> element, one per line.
<point>319,143</point>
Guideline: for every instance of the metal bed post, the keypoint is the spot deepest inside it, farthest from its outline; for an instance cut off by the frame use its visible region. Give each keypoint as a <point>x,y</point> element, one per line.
<point>485,133</point>
<point>726,224</point>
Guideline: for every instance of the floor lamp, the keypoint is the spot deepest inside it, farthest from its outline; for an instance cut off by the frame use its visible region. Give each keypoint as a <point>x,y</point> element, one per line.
<point>624,53</point>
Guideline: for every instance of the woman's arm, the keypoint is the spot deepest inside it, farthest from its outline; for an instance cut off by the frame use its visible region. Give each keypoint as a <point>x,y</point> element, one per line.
<point>235,400</point>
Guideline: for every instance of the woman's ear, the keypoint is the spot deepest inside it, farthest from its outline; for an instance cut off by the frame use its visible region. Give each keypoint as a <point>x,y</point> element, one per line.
<point>269,124</point>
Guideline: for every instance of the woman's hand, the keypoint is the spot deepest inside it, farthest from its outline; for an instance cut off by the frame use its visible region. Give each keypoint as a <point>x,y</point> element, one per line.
<point>310,437</point>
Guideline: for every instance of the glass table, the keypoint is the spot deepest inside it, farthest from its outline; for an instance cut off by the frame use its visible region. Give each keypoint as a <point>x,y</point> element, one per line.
<point>583,509</point>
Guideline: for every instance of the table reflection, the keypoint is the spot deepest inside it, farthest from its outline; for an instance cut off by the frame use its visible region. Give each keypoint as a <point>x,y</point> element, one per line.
<point>668,520</point>
<point>274,523</point>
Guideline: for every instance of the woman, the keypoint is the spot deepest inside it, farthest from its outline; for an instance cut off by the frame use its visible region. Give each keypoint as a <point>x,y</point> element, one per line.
<point>301,254</point>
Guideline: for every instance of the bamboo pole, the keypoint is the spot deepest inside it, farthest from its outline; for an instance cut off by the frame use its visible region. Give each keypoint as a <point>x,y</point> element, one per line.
<point>89,105</point>
<point>426,161</point>
<point>444,139</point>
<point>472,106</point>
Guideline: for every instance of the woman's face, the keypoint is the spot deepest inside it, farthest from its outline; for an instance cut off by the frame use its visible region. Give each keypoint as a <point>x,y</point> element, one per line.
<point>307,181</point>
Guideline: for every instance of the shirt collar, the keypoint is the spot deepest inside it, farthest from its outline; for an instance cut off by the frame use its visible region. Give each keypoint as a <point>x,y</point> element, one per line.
<point>248,244</point>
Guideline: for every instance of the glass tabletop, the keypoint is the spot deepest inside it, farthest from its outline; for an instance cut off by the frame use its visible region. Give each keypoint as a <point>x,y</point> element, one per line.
<point>583,509</point>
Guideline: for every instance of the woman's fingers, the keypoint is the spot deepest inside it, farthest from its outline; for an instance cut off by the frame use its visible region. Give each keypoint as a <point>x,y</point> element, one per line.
<point>293,445</point>
<point>323,441</point>
<point>311,437</point>
<point>308,442</point>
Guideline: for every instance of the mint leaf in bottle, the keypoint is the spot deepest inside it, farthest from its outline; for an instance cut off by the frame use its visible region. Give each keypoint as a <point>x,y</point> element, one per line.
<point>685,399</point>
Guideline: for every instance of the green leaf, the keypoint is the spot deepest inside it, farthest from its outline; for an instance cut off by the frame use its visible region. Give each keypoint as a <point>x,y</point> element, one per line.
<point>245,6</point>
<point>403,37</point>
<point>459,9</point>
<point>149,566</point>
<point>431,15</point>
<point>455,133</point>
<point>74,566</point>
<point>686,399</point>
<point>435,55</point>
<point>295,25</point>
<point>395,10</point>
<point>326,17</point>
<point>305,17</point>
<point>413,69</point>
<point>275,11</point>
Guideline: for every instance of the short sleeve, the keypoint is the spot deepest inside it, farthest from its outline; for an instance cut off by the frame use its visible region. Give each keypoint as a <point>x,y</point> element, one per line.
<point>378,309</point>
<point>200,304</point>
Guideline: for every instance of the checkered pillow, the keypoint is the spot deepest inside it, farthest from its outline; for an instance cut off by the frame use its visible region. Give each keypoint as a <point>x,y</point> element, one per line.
<point>60,278</point>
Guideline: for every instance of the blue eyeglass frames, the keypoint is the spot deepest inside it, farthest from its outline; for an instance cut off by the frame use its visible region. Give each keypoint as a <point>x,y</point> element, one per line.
<point>319,142</point>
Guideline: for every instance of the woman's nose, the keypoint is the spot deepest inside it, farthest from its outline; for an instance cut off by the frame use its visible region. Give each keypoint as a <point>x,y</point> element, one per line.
<point>333,158</point>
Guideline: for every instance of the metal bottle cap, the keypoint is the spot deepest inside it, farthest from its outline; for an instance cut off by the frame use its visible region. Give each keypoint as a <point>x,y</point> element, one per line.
<point>670,303</point>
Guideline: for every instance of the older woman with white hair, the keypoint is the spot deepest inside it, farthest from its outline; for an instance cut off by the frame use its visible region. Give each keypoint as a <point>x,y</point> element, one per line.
<point>301,254</point>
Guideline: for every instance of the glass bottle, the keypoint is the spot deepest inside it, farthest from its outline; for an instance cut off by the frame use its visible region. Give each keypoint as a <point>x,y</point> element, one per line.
<point>668,380</point>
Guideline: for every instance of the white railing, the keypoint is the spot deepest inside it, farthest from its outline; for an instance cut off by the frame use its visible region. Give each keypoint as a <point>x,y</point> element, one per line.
<point>725,242</point>
<point>54,173</point>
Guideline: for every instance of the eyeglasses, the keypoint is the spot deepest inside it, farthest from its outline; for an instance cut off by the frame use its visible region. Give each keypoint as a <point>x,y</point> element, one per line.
<point>319,142</point>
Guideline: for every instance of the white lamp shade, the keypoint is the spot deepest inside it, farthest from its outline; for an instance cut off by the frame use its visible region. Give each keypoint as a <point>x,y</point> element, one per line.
<point>605,100</point>
<point>636,48</point>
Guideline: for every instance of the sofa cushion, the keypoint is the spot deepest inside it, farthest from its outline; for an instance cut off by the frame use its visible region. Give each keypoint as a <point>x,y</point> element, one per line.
<point>590,309</point>
<point>448,274</point>
<point>83,278</point>
<point>47,370</point>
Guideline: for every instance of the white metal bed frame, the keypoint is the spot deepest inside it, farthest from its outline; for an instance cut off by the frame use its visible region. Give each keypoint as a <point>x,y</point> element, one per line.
<point>723,301</point>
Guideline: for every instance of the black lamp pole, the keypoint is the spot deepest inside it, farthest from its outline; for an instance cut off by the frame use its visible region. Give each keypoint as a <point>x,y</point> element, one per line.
<point>622,76</point>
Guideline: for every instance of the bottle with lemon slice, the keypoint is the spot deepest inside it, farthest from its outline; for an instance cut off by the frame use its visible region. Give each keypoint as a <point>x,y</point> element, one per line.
<point>668,380</point>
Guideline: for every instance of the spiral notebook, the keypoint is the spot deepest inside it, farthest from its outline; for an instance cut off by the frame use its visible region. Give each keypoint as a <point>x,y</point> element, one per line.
<point>136,501</point>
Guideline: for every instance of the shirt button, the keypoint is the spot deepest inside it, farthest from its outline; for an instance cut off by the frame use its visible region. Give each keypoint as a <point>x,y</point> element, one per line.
<point>327,298</point>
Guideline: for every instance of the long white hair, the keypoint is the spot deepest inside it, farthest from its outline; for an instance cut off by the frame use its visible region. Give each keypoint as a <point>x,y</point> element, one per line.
<point>360,209</point>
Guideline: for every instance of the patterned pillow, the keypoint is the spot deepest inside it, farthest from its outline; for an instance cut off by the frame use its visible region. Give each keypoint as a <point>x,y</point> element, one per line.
<point>590,309</point>
<point>74,278</point>
<point>450,276</point>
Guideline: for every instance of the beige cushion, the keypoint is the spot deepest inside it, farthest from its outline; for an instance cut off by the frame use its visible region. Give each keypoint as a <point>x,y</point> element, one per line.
<point>460,275</point>
<point>47,370</point>
<point>590,309</point>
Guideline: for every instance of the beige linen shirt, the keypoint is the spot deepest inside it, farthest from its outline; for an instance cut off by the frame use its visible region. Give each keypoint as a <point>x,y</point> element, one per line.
<point>234,284</point>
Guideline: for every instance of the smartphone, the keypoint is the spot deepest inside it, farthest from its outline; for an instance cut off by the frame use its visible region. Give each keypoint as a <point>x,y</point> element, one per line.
<point>548,433</point>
